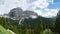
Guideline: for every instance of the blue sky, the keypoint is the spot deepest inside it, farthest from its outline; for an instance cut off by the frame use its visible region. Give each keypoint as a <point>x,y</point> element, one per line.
<point>56,1</point>
<point>56,4</point>
<point>45,8</point>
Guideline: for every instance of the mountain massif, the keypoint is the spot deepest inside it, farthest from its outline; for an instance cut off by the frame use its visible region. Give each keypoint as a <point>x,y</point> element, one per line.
<point>31,24</point>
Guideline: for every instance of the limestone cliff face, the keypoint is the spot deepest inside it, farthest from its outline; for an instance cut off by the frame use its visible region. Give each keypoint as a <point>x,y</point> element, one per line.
<point>17,13</point>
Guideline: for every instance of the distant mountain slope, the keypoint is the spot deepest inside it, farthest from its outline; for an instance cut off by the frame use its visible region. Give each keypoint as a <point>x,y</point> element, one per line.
<point>48,20</point>
<point>44,20</point>
<point>32,21</point>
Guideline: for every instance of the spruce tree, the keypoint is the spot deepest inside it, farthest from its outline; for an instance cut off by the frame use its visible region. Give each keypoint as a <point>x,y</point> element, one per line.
<point>3,22</point>
<point>39,26</point>
<point>57,24</point>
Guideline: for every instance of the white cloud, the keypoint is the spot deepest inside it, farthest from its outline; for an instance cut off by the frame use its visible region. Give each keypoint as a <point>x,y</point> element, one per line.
<point>37,3</point>
<point>41,3</point>
<point>28,5</point>
<point>50,12</point>
<point>8,4</point>
<point>39,12</point>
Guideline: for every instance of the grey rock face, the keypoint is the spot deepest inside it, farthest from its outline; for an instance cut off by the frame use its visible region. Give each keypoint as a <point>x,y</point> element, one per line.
<point>28,13</point>
<point>18,13</point>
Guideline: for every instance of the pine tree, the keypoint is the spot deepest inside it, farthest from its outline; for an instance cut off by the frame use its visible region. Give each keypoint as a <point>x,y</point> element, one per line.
<point>3,22</point>
<point>57,24</point>
<point>27,26</point>
<point>39,26</point>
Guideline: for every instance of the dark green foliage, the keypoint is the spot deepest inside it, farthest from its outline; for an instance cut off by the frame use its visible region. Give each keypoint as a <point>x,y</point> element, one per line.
<point>27,26</point>
<point>39,26</point>
<point>3,22</point>
<point>14,29</point>
<point>57,24</point>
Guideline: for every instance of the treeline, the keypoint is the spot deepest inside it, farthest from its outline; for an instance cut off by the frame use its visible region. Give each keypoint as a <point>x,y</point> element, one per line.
<point>31,26</point>
<point>28,26</point>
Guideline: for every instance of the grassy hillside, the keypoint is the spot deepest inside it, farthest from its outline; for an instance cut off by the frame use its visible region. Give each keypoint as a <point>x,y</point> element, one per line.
<point>4,31</point>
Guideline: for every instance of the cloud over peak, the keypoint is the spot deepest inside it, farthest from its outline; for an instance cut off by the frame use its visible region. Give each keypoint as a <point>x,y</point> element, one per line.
<point>28,5</point>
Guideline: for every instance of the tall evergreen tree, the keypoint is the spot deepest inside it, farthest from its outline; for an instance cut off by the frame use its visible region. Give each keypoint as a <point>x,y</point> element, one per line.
<point>3,22</point>
<point>57,24</point>
<point>39,26</point>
